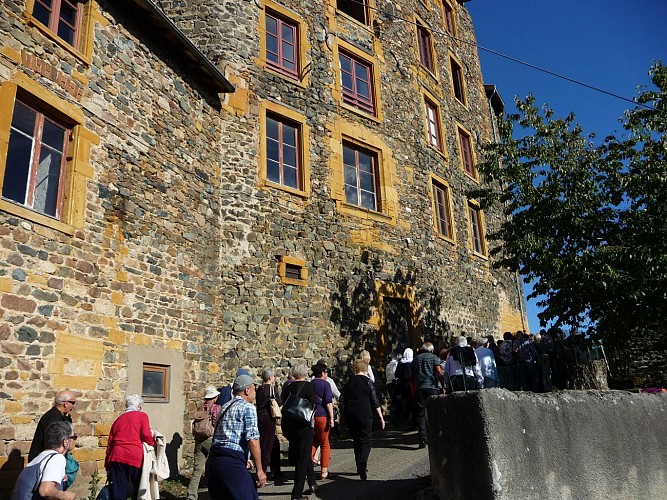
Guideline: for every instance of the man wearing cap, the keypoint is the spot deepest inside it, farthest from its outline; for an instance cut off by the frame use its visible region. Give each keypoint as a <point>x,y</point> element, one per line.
<point>203,446</point>
<point>226,391</point>
<point>235,436</point>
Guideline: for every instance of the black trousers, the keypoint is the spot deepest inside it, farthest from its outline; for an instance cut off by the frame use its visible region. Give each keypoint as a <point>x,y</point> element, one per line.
<point>268,443</point>
<point>300,439</point>
<point>120,477</point>
<point>420,400</point>
<point>361,430</point>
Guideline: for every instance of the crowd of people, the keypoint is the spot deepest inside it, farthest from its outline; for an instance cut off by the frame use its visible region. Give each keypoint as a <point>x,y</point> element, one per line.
<point>235,426</point>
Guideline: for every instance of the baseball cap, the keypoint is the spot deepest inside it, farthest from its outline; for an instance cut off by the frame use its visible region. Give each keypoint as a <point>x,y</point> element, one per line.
<point>242,382</point>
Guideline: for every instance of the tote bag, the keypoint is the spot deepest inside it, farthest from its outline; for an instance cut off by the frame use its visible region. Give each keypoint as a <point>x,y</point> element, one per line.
<point>274,407</point>
<point>298,409</point>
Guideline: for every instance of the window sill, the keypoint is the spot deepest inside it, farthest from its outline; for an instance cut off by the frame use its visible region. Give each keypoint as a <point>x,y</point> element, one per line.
<point>360,112</point>
<point>41,219</point>
<point>447,239</point>
<point>293,281</point>
<point>472,178</point>
<point>299,82</point>
<point>347,17</point>
<point>480,256</point>
<point>436,150</point>
<point>55,38</point>
<point>296,192</point>
<point>363,213</point>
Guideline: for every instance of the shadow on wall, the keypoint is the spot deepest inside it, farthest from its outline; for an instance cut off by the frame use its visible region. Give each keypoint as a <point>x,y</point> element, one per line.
<point>9,472</point>
<point>171,450</point>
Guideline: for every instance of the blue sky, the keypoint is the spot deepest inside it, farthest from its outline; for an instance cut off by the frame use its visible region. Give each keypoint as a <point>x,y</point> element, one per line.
<point>608,44</point>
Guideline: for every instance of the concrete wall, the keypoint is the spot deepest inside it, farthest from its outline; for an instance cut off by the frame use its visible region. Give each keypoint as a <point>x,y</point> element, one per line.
<point>567,445</point>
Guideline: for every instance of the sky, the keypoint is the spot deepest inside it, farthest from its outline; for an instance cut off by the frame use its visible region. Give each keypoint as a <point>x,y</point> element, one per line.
<point>609,44</point>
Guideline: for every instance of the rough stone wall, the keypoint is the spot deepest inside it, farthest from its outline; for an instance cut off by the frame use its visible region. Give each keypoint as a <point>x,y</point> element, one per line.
<point>332,315</point>
<point>142,271</point>
<point>496,444</point>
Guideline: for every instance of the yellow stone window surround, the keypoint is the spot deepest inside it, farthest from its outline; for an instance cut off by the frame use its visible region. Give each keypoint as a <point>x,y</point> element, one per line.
<point>435,179</point>
<point>464,86</point>
<point>78,169</point>
<point>423,70</point>
<point>474,204</point>
<point>304,156</point>
<point>302,41</point>
<point>434,101</point>
<point>287,260</point>
<point>84,50</point>
<point>356,133</point>
<point>461,129</point>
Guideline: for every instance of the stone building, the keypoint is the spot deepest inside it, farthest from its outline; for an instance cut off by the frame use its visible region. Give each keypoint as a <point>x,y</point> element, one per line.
<point>189,187</point>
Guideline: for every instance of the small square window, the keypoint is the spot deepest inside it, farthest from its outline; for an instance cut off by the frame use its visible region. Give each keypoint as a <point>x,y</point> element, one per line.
<point>292,271</point>
<point>155,383</point>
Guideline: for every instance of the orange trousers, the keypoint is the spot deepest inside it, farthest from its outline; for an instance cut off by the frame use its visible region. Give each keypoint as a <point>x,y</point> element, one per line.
<point>321,440</point>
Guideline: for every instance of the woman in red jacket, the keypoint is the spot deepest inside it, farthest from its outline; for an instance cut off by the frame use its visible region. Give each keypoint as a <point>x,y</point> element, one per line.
<point>125,449</point>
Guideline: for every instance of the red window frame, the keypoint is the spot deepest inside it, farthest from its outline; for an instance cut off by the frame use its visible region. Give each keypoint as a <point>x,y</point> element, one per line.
<point>433,125</point>
<point>443,217</point>
<point>466,154</point>
<point>449,17</point>
<point>425,47</point>
<point>286,59</point>
<point>358,193</point>
<point>52,14</point>
<point>476,231</point>
<point>284,127</point>
<point>359,75</point>
<point>31,170</point>
<point>457,81</point>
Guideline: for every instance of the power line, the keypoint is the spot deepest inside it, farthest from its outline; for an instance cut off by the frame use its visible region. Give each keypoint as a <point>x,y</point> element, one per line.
<point>393,16</point>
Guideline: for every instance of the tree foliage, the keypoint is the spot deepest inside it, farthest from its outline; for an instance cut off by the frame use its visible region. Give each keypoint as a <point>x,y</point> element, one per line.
<point>585,218</point>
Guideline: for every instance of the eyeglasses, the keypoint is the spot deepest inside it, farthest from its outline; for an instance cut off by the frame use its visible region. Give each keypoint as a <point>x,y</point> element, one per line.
<point>74,437</point>
<point>71,402</point>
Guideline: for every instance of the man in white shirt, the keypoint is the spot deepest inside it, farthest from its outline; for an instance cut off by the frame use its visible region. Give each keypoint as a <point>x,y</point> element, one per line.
<point>48,468</point>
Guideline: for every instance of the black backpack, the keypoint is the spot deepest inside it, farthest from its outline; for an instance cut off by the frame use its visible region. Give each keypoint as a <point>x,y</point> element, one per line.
<point>464,355</point>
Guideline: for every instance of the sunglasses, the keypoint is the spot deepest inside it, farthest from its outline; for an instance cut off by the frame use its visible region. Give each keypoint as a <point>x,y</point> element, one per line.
<point>74,437</point>
<point>71,402</point>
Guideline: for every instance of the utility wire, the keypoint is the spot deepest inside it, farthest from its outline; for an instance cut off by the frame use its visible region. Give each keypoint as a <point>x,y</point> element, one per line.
<point>392,16</point>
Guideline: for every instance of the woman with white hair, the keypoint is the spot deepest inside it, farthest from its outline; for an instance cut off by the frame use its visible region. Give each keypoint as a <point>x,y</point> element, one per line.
<point>125,449</point>
<point>300,434</point>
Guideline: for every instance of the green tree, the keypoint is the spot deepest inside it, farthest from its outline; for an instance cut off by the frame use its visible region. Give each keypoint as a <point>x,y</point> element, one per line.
<point>585,220</point>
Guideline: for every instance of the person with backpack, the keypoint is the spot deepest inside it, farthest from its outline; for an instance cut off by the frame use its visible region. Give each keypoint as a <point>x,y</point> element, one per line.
<point>203,426</point>
<point>462,370</point>
<point>43,476</point>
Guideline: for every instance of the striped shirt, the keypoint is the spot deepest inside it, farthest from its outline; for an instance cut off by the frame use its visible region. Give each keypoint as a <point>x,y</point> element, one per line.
<point>238,425</point>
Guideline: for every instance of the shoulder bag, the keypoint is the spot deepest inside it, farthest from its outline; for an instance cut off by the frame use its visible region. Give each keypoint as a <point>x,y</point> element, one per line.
<point>274,407</point>
<point>298,409</point>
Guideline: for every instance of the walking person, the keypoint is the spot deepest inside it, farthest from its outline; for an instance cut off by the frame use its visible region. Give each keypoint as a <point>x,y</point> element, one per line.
<point>48,467</point>
<point>402,380</point>
<point>235,436</point>
<point>268,440</point>
<point>366,356</point>
<point>300,434</point>
<point>324,417</point>
<point>63,404</point>
<point>360,402</point>
<point>427,373</point>
<point>125,449</point>
<point>202,431</point>
<point>487,363</point>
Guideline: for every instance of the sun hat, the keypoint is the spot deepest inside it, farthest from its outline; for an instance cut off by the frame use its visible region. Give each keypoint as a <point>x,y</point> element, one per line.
<point>211,392</point>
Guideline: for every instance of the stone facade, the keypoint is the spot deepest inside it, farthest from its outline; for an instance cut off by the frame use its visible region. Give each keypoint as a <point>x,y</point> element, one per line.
<point>174,250</point>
